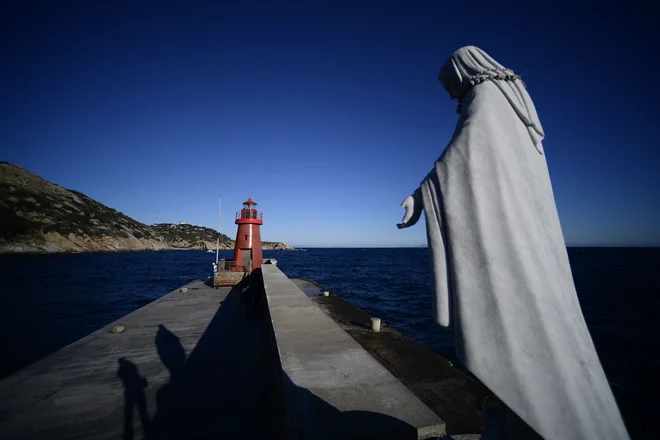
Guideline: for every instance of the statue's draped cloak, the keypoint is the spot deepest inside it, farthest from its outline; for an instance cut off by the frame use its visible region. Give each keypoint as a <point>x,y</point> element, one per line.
<point>501,273</point>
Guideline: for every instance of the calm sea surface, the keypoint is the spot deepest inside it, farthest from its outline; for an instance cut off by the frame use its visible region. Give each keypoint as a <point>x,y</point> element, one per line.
<point>49,301</point>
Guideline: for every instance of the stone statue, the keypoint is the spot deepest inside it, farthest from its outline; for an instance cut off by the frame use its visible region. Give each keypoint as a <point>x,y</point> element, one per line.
<point>500,270</point>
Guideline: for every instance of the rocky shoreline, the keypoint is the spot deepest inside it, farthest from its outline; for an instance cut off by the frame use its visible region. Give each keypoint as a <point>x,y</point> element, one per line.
<point>72,245</point>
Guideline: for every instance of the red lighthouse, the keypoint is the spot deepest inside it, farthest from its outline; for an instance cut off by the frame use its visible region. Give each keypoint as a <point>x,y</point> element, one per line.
<point>247,252</point>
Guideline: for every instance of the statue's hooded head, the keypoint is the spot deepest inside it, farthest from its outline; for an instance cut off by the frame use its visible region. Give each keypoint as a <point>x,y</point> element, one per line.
<point>465,65</point>
<point>470,66</point>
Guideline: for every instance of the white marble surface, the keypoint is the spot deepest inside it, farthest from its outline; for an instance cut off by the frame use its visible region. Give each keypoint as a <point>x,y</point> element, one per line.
<point>500,269</point>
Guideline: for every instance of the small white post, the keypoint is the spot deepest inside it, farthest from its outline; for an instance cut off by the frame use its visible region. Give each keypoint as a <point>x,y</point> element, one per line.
<point>326,293</point>
<point>217,245</point>
<point>375,325</point>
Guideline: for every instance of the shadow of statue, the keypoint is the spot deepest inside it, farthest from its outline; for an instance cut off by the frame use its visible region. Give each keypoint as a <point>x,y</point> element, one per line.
<point>171,352</point>
<point>251,288</point>
<point>219,390</point>
<point>134,398</point>
<point>232,385</point>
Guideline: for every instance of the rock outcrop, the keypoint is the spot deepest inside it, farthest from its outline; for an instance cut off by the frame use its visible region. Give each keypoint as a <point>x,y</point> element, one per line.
<point>39,216</point>
<point>276,246</point>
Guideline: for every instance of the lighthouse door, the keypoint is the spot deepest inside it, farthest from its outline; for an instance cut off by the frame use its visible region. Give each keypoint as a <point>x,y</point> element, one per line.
<point>246,255</point>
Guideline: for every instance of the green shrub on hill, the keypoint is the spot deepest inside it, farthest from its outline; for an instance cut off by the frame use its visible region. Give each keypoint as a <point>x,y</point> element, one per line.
<point>12,226</point>
<point>173,233</point>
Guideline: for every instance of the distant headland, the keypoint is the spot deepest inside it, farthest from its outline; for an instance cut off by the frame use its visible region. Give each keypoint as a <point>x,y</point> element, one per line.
<point>37,216</point>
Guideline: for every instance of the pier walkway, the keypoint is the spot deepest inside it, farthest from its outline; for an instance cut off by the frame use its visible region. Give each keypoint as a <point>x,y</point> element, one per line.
<point>188,365</point>
<point>260,361</point>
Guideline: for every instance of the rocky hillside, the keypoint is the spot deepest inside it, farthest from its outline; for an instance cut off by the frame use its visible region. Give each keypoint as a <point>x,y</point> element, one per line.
<point>191,236</point>
<point>39,216</point>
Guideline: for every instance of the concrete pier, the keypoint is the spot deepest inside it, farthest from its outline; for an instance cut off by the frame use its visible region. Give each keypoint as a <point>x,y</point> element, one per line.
<point>332,387</point>
<point>261,360</point>
<point>454,396</point>
<point>188,365</point>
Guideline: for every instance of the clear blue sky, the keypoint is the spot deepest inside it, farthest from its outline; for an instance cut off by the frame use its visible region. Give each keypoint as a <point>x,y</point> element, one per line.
<point>327,113</point>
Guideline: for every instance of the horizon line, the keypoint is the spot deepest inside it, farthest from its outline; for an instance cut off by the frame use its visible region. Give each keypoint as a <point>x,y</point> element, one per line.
<point>650,246</point>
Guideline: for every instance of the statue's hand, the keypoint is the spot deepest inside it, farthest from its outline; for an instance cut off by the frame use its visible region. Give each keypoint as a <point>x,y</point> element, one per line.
<point>413,207</point>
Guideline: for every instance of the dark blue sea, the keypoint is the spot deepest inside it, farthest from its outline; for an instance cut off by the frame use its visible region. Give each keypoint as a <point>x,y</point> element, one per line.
<point>49,301</point>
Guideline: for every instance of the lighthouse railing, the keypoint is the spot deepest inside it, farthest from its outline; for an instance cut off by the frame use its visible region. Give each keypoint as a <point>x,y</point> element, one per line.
<point>252,214</point>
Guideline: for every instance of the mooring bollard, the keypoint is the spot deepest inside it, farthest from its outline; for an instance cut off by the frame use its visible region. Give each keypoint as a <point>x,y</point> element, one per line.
<point>184,289</point>
<point>375,324</point>
<point>118,329</point>
<point>326,293</point>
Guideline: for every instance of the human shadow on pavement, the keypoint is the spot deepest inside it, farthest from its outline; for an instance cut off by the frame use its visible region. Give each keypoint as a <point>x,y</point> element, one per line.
<point>134,398</point>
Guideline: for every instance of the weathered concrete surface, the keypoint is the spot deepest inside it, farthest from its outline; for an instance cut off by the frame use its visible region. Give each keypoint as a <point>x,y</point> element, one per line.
<point>333,388</point>
<point>454,396</point>
<point>203,364</point>
<point>192,368</point>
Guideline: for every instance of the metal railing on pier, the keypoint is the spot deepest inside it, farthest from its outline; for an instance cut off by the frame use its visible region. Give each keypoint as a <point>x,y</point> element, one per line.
<point>235,266</point>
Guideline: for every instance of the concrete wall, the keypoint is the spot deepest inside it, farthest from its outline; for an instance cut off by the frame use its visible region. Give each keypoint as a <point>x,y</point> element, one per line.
<point>329,386</point>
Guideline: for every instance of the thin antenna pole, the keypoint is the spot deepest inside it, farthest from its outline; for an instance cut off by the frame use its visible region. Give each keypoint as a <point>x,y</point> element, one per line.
<point>217,246</point>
